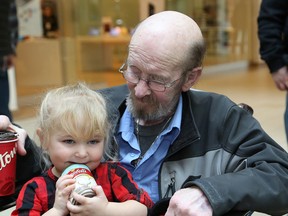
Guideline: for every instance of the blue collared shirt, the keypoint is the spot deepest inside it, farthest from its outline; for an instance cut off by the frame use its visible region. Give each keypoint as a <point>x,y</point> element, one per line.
<point>144,174</point>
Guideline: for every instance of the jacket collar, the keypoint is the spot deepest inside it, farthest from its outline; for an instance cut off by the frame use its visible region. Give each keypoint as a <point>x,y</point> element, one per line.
<point>189,131</point>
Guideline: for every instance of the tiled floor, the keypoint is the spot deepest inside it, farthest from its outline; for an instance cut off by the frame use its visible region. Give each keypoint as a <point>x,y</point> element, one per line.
<point>253,86</point>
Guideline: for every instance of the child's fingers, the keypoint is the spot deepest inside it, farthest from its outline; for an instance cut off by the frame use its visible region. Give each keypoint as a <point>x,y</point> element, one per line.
<point>73,209</point>
<point>66,182</point>
<point>78,198</point>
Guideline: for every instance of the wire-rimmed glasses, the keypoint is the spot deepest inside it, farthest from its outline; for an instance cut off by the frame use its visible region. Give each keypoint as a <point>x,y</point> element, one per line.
<point>154,85</point>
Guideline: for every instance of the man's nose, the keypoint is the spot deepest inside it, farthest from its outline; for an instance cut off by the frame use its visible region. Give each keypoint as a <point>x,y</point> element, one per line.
<point>142,89</point>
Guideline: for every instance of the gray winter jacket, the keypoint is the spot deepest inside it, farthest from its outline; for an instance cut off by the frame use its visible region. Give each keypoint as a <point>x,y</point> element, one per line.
<point>223,150</point>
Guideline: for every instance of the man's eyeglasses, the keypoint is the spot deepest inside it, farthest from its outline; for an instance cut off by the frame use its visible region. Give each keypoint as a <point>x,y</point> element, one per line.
<point>153,84</point>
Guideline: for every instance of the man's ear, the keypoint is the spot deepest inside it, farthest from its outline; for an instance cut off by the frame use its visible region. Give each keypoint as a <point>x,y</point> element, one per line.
<point>191,78</point>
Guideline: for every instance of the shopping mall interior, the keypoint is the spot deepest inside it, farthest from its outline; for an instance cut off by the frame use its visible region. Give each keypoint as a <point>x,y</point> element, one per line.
<point>89,43</point>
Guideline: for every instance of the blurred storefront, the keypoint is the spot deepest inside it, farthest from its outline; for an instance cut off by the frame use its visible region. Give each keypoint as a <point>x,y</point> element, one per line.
<point>93,36</point>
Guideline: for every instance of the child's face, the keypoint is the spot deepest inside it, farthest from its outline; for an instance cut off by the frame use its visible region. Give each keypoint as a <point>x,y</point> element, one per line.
<point>65,150</point>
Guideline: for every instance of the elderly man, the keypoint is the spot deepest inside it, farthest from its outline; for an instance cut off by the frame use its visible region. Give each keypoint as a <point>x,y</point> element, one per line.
<point>196,149</point>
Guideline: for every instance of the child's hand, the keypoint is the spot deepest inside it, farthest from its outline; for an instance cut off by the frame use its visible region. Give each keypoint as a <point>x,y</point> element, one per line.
<point>64,187</point>
<point>89,206</point>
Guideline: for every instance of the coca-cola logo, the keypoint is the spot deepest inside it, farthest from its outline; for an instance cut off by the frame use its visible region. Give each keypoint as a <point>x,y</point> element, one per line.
<point>6,158</point>
<point>78,171</point>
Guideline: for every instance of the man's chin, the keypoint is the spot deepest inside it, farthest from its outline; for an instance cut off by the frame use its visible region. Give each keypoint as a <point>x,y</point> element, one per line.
<point>142,112</point>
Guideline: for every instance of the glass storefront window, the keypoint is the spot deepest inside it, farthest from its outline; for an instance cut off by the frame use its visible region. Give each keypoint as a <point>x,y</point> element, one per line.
<point>100,30</point>
<point>93,17</point>
<point>224,23</point>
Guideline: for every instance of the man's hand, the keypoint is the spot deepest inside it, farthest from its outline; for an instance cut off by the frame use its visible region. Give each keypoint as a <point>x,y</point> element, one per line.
<point>5,124</point>
<point>188,202</point>
<point>280,78</point>
<point>11,60</point>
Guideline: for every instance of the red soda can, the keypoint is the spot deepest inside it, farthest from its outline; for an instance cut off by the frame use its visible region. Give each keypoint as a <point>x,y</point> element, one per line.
<point>84,180</point>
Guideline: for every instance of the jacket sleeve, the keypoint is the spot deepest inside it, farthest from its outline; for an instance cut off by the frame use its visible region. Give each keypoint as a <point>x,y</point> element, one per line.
<point>256,174</point>
<point>34,199</point>
<point>125,188</point>
<point>272,24</point>
<point>13,21</point>
<point>30,165</point>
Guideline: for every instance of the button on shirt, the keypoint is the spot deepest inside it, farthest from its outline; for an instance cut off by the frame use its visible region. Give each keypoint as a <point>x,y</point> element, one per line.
<point>144,174</point>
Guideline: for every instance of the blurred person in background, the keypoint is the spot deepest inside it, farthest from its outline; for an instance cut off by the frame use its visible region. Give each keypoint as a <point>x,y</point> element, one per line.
<point>8,42</point>
<point>49,20</point>
<point>273,33</point>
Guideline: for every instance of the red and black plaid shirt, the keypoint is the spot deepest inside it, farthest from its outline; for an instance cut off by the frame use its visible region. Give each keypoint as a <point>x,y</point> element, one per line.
<point>37,195</point>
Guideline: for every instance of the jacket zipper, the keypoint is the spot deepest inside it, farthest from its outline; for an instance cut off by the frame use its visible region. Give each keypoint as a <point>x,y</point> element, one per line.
<point>171,185</point>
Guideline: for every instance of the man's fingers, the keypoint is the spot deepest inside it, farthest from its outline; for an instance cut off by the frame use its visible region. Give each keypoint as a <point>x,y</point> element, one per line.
<point>21,139</point>
<point>4,122</point>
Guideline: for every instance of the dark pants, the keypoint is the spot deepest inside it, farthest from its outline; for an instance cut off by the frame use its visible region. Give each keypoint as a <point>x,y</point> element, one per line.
<point>4,95</point>
<point>286,117</point>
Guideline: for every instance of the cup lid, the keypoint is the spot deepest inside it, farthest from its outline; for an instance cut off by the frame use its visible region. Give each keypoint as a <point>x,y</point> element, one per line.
<point>7,135</point>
